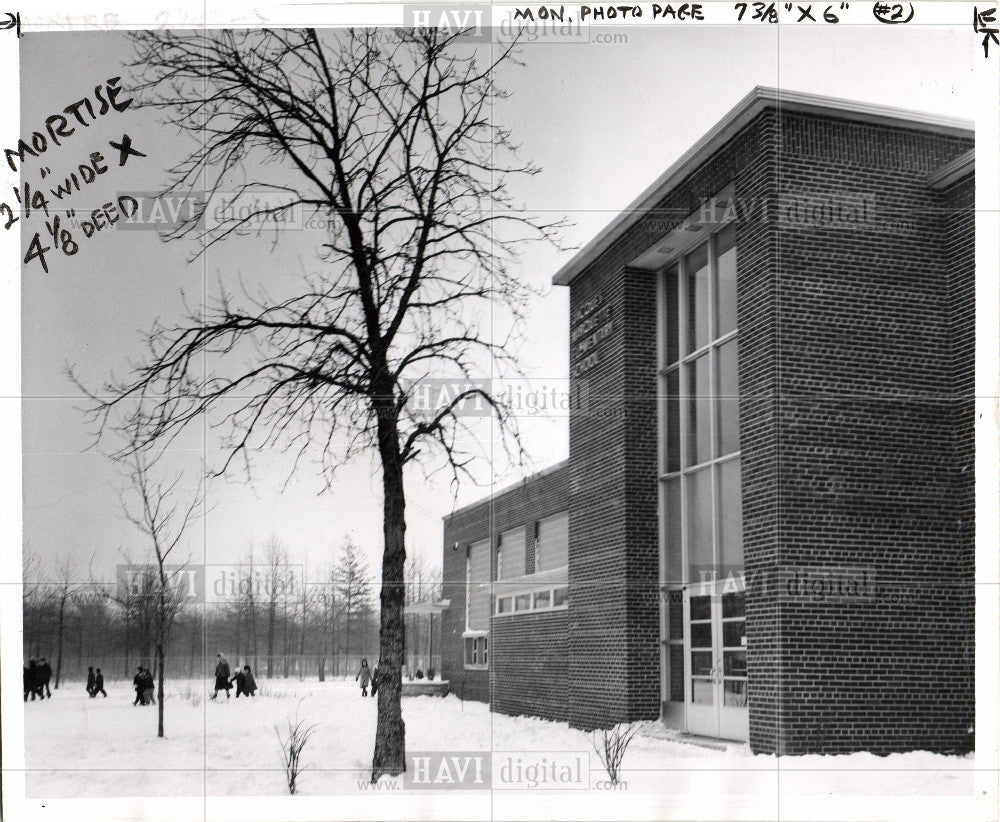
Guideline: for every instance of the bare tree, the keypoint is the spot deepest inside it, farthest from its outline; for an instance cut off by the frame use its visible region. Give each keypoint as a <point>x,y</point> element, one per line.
<point>35,601</point>
<point>135,596</point>
<point>305,619</point>
<point>163,519</point>
<point>423,580</point>
<point>276,567</point>
<point>392,148</point>
<point>66,585</point>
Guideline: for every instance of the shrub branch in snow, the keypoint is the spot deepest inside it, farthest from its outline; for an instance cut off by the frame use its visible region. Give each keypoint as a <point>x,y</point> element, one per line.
<point>611,744</point>
<point>296,736</point>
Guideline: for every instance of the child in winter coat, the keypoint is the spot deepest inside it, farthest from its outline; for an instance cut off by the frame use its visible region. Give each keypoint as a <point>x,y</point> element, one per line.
<point>365,675</point>
<point>249,683</point>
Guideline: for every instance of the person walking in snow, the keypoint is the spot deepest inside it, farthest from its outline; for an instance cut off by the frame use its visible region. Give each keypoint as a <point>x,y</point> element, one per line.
<point>365,675</point>
<point>30,678</point>
<point>90,680</point>
<point>139,682</point>
<point>240,680</point>
<point>249,683</point>
<point>44,675</point>
<point>148,688</point>
<point>99,684</point>
<point>222,682</point>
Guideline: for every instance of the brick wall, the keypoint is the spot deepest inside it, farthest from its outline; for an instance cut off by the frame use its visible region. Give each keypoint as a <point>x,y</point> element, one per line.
<point>526,651</point>
<point>869,311</point>
<point>854,308</point>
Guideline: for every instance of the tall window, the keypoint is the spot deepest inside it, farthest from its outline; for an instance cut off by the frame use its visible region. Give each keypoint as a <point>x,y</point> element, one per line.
<point>700,436</point>
<point>477,587</point>
<point>552,543</point>
<point>510,561</point>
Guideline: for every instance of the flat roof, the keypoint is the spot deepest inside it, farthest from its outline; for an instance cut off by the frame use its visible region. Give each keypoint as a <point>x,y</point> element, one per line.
<point>514,486</point>
<point>762,97</point>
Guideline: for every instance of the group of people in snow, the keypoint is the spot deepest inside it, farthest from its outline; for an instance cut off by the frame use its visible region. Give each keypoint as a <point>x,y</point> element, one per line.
<point>366,676</point>
<point>37,674</point>
<point>144,687</point>
<point>95,682</point>
<point>246,685</point>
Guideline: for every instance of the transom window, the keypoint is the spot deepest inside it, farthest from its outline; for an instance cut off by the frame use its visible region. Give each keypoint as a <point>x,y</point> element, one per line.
<point>539,599</point>
<point>700,428</point>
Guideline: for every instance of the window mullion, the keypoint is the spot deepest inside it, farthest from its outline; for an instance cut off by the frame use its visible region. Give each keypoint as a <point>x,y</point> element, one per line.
<point>682,407</point>
<point>713,394</point>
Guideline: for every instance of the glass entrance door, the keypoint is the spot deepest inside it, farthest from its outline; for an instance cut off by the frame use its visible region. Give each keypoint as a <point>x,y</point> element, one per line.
<point>716,662</point>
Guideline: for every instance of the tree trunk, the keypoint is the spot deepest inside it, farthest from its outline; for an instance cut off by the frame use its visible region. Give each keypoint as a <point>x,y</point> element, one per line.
<point>59,638</point>
<point>390,747</point>
<point>302,635</point>
<point>159,688</point>
<point>347,634</point>
<point>270,634</point>
<point>127,649</point>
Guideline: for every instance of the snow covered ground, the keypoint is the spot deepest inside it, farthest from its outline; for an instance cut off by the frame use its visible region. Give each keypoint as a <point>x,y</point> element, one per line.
<point>82,747</point>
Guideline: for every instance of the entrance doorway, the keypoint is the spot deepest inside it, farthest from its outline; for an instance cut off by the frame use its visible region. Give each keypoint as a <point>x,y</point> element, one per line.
<point>715,690</point>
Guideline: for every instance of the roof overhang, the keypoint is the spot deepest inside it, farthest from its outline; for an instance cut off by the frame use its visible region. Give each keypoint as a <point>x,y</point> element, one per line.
<point>436,607</point>
<point>962,166</point>
<point>740,115</point>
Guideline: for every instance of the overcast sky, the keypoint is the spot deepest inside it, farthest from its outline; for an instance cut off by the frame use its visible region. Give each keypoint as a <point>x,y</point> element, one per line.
<point>601,120</point>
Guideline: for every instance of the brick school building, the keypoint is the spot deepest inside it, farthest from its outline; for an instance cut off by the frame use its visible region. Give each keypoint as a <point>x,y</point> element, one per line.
<point>764,530</point>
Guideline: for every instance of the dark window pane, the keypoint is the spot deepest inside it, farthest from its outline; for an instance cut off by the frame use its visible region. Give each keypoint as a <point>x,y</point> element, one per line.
<point>734,634</point>
<point>701,663</point>
<point>735,663</point>
<point>676,663</point>
<point>697,266</point>
<point>672,443</point>
<point>559,597</point>
<point>728,399</point>
<point>542,599</point>
<point>734,605</point>
<point>675,615</point>
<point>701,634</point>
<point>699,411</point>
<point>701,607</point>
<point>672,512</point>
<point>726,282</point>
<point>522,602</point>
<point>672,309</point>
